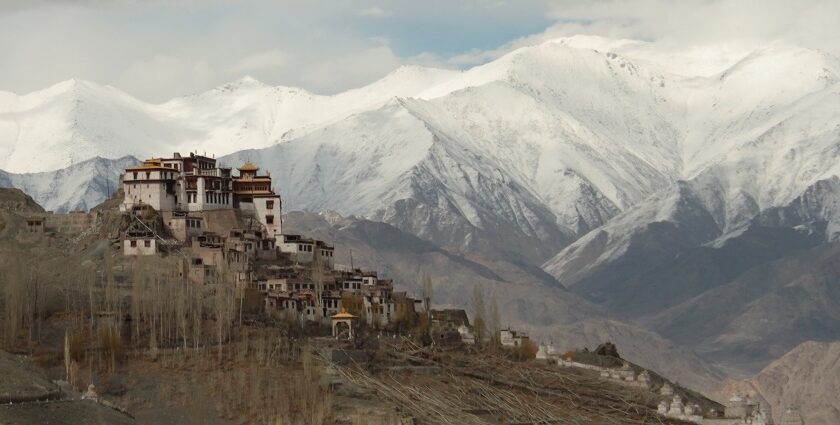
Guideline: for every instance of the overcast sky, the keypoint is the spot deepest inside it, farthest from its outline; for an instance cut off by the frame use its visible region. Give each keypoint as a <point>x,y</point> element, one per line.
<point>159,49</point>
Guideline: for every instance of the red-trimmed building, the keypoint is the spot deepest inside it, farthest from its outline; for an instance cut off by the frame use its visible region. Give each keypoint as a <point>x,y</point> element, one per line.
<point>196,183</point>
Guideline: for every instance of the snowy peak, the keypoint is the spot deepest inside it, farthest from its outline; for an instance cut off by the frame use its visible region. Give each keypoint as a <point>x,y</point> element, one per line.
<point>595,42</point>
<point>552,139</point>
<point>782,60</point>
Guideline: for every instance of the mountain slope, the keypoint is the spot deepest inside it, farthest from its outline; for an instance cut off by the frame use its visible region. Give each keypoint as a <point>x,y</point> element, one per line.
<point>637,345</point>
<point>763,313</point>
<point>79,187</point>
<point>522,293</point>
<point>808,377</point>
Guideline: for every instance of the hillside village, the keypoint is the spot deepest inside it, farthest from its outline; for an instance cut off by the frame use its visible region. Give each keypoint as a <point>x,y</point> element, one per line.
<point>297,277</point>
<point>231,223</point>
<point>225,228</point>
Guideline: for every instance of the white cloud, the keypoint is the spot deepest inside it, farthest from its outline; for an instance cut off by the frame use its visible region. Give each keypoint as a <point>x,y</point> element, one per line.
<point>354,68</point>
<point>374,12</point>
<point>713,32</point>
<point>159,49</point>
<point>269,60</point>
<point>166,74</point>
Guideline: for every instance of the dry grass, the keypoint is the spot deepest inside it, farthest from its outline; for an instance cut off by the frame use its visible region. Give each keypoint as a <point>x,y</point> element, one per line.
<point>475,389</point>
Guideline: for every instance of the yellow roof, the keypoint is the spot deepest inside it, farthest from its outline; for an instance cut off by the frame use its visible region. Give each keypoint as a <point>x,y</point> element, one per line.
<point>248,167</point>
<point>148,167</point>
<point>343,315</point>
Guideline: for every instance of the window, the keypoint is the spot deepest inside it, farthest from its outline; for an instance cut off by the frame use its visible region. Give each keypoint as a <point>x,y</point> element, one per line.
<point>135,175</point>
<point>147,243</point>
<point>134,244</point>
<point>269,219</point>
<point>269,205</point>
<point>148,175</point>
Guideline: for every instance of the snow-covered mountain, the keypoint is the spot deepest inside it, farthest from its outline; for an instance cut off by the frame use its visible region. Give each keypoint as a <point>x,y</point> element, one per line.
<point>606,162</point>
<point>80,186</point>
<point>76,120</point>
<point>539,147</point>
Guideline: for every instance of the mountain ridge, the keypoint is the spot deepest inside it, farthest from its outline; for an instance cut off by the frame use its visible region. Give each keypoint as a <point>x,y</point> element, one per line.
<point>598,160</point>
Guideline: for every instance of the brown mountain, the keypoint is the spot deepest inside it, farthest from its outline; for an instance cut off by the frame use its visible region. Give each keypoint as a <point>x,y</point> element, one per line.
<point>808,377</point>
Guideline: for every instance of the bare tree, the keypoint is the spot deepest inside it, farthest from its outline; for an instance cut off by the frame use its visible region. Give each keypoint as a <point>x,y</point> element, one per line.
<point>317,272</point>
<point>479,315</point>
<point>224,307</point>
<point>494,321</point>
<point>428,292</point>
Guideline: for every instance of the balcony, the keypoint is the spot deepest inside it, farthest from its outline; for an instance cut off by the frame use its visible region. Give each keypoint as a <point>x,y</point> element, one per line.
<point>211,172</point>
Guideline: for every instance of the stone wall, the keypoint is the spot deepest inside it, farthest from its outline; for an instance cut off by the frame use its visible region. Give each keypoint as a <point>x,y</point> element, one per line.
<point>75,222</point>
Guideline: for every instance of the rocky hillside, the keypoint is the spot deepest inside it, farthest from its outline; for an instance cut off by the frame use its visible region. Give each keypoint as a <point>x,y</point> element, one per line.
<point>638,345</point>
<point>808,377</point>
<point>551,314</point>
<point>16,200</point>
<point>525,295</point>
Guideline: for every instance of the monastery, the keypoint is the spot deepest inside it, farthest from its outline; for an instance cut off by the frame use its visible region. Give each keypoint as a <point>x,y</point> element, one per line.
<point>197,184</point>
<point>230,222</point>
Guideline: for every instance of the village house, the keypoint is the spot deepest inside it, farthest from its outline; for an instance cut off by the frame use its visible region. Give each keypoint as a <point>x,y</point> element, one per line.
<point>141,243</point>
<point>209,247</point>
<point>200,273</point>
<point>184,226</point>
<point>511,338</point>
<point>451,325</point>
<point>305,250</point>
<point>35,224</point>
<point>377,304</point>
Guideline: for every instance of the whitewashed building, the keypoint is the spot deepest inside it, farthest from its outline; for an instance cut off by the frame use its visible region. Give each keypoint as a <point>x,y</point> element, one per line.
<point>196,183</point>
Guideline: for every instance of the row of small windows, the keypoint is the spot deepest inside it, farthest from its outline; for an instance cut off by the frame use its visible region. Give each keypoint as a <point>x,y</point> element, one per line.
<point>351,285</point>
<point>147,243</point>
<point>209,197</point>
<point>308,248</point>
<point>164,175</point>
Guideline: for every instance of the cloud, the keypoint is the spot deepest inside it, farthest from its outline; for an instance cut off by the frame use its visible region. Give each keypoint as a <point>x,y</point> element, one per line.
<point>710,32</point>
<point>356,68</point>
<point>374,12</point>
<point>166,74</point>
<point>159,49</point>
<point>688,23</point>
<point>269,60</point>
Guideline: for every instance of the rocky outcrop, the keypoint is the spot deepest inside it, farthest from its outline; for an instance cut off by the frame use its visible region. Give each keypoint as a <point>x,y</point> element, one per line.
<point>15,200</point>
